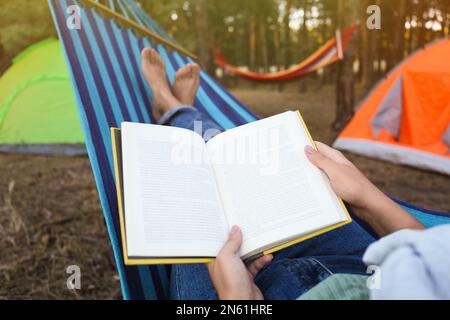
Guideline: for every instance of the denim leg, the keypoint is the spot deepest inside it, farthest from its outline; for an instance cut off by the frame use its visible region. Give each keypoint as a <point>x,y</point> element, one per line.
<point>351,239</point>
<point>297,269</point>
<point>287,279</point>
<point>188,117</point>
<point>191,282</point>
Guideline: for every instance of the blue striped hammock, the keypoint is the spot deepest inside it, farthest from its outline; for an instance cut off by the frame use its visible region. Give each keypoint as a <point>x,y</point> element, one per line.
<point>103,56</point>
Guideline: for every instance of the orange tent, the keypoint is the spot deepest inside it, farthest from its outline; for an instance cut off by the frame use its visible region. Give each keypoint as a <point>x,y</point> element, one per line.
<point>406,118</point>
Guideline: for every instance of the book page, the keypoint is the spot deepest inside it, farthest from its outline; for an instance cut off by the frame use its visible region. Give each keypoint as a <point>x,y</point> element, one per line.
<point>172,207</point>
<point>268,186</point>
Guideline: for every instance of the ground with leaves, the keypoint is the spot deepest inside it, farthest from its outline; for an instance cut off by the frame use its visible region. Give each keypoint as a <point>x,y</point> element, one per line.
<point>50,217</point>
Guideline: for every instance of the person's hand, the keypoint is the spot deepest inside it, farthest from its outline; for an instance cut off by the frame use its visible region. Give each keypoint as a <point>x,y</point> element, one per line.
<point>346,180</point>
<point>231,278</point>
<point>367,201</point>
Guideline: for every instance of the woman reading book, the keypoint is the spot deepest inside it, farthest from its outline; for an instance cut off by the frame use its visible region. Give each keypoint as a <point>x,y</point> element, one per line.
<point>335,262</point>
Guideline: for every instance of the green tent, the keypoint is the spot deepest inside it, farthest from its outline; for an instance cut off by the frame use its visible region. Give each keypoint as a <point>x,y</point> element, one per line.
<point>38,113</point>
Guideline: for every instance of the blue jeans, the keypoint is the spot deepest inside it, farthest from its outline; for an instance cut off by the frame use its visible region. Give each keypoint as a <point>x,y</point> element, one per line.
<point>293,270</point>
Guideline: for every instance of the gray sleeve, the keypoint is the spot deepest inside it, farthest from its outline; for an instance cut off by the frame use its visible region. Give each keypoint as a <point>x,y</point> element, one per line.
<point>412,264</point>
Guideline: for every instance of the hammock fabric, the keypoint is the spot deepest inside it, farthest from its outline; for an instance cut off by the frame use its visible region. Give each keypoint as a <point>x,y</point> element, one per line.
<point>325,56</point>
<point>103,59</point>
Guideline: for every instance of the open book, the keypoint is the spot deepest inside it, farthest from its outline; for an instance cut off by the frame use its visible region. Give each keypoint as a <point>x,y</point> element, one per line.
<point>179,196</point>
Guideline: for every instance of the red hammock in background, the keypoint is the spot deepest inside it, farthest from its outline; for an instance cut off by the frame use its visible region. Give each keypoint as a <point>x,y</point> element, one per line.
<point>329,53</point>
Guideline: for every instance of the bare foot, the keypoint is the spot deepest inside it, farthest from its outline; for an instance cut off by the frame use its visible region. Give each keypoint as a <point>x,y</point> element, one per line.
<point>185,86</point>
<point>154,72</point>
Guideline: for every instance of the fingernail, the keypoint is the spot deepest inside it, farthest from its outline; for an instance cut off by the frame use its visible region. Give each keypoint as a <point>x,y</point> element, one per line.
<point>309,150</point>
<point>234,230</point>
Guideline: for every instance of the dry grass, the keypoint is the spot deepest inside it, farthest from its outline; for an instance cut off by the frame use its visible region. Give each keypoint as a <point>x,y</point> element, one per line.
<point>49,219</point>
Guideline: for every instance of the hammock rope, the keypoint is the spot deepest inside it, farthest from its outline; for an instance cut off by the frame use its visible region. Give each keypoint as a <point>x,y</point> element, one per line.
<point>142,29</point>
<point>326,55</point>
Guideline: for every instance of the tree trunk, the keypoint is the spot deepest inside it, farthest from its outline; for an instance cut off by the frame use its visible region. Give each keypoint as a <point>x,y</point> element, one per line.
<point>276,43</point>
<point>252,40</point>
<point>412,10</point>
<point>367,39</point>
<point>372,50</point>
<point>2,52</point>
<point>263,44</point>
<point>287,35</point>
<point>203,35</point>
<point>303,45</point>
<point>421,38</point>
<point>446,22</point>
<point>399,36</point>
<point>3,60</point>
<point>345,77</point>
<point>278,53</point>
